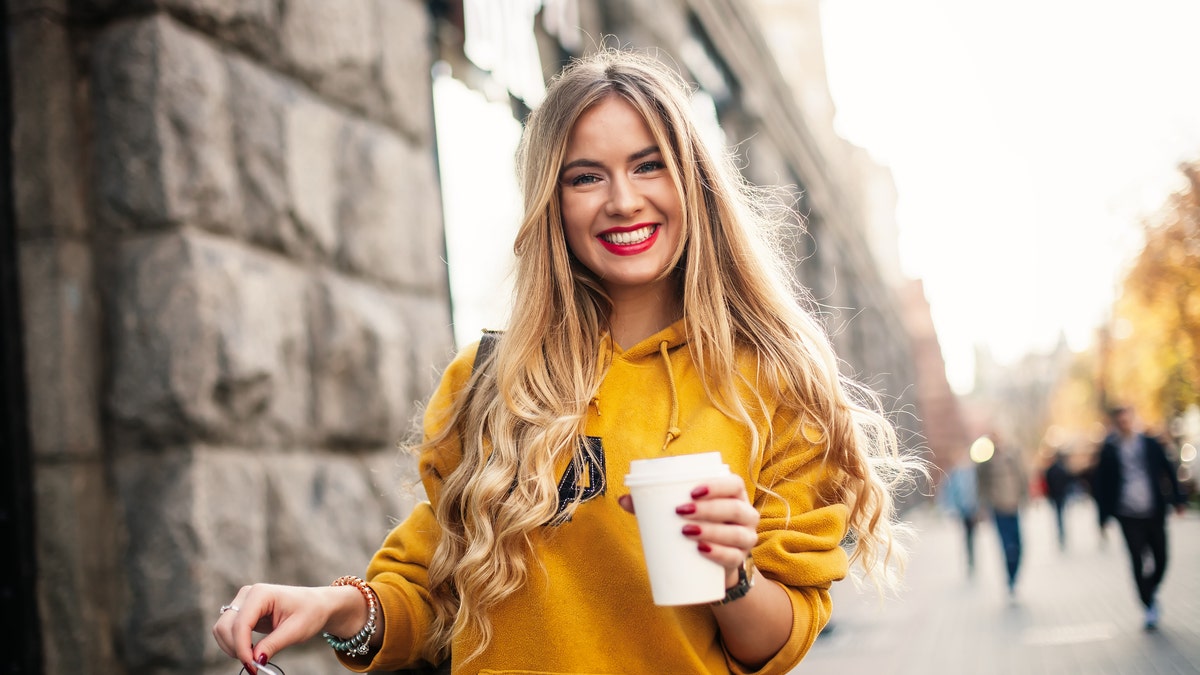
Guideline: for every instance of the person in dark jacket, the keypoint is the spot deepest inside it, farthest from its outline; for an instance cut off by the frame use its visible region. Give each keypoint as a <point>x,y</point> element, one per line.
<point>1136,483</point>
<point>1059,481</point>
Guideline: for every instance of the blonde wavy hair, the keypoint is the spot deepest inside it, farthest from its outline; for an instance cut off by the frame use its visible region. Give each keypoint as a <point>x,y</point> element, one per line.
<point>526,405</point>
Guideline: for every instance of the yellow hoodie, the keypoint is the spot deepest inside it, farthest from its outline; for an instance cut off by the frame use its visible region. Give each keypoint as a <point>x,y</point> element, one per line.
<point>591,612</point>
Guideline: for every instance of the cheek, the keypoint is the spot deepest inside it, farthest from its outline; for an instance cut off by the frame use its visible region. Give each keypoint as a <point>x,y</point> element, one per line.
<point>671,203</point>
<point>574,221</point>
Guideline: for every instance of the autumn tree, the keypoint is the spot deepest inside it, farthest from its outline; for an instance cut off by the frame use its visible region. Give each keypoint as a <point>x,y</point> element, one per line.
<point>1154,359</point>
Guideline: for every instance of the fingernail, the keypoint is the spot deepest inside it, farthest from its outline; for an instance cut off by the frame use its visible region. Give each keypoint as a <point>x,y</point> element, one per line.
<point>700,492</point>
<point>704,548</point>
<point>685,509</point>
<point>249,667</point>
<point>262,659</point>
<point>691,530</point>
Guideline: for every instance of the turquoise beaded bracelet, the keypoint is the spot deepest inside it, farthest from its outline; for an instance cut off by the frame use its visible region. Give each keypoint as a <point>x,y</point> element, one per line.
<point>360,643</point>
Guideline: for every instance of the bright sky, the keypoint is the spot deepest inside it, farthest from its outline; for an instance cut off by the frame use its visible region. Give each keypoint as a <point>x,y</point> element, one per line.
<point>481,200</point>
<point>1027,139</point>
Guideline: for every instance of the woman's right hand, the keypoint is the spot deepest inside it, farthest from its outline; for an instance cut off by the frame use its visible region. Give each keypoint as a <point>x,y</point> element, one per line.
<point>287,615</point>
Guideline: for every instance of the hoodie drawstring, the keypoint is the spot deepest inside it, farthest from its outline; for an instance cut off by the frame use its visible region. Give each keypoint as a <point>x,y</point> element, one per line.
<point>673,425</point>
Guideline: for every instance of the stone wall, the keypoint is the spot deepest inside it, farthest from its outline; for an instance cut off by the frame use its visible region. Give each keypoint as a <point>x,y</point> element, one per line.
<point>235,297</point>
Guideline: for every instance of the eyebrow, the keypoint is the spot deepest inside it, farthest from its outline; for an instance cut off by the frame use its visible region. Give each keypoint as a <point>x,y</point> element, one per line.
<point>644,152</point>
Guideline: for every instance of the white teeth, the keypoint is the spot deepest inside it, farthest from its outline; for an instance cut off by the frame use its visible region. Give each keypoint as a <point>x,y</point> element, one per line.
<point>628,238</point>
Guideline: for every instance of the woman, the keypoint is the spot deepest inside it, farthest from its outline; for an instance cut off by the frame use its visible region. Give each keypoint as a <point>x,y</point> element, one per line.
<point>652,317</point>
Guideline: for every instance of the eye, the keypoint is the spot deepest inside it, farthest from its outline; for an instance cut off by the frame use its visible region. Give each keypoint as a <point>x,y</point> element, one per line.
<point>584,179</point>
<point>649,167</point>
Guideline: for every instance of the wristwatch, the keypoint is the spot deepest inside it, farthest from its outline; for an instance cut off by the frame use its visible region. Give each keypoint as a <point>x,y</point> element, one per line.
<point>744,583</point>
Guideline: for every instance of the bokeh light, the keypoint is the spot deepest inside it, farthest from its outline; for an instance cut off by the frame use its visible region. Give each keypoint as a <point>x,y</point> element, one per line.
<point>982,450</point>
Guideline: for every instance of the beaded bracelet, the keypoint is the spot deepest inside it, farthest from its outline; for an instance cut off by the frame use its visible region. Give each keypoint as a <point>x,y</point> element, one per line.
<point>360,644</point>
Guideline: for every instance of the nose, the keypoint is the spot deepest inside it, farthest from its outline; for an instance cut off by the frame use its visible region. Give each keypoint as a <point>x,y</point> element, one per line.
<point>624,197</point>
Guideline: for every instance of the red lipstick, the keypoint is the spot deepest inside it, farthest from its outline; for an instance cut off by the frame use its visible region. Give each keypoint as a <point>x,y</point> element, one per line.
<point>633,248</point>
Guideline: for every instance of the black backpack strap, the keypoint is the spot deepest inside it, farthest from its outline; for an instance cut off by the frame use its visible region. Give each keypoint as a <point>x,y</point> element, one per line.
<point>487,343</point>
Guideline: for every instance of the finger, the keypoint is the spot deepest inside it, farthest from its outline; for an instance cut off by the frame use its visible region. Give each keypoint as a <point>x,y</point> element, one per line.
<point>717,488</point>
<point>223,628</point>
<point>220,634</point>
<point>720,535</point>
<point>255,607</point>
<point>729,511</point>
<point>626,502</point>
<point>287,633</point>
<point>729,557</point>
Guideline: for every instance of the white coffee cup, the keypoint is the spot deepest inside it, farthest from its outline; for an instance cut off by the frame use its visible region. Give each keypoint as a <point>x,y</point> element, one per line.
<point>679,575</point>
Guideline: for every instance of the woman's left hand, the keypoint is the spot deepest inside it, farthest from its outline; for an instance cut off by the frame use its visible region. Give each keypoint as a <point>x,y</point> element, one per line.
<point>721,520</point>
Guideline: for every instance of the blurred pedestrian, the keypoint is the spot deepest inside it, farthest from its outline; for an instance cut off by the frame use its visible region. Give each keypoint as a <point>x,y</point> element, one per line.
<point>1131,475</point>
<point>1004,489</point>
<point>960,497</point>
<point>1059,482</point>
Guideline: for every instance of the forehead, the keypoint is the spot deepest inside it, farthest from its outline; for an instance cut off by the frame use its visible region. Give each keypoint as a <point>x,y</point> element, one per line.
<point>611,122</point>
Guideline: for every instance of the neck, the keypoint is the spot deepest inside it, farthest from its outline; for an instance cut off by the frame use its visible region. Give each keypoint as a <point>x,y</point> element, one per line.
<point>641,312</point>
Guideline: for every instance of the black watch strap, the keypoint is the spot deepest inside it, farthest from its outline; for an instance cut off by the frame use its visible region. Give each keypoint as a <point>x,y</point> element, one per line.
<point>744,583</point>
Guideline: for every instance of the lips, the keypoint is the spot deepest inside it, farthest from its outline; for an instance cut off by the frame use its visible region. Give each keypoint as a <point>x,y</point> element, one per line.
<point>630,241</point>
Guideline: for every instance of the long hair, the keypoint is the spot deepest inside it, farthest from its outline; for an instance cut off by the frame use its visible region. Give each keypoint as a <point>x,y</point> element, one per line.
<point>527,405</point>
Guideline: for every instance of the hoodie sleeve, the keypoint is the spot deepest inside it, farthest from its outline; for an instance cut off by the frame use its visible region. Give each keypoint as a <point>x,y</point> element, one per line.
<point>798,537</point>
<point>399,570</point>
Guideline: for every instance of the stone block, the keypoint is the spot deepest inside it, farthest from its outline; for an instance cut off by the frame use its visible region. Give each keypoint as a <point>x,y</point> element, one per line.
<point>396,482</point>
<point>361,364</point>
<point>47,162</point>
<point>196,520</point>
<point>286,142</point>
<point>333,46</point>
<point>389,210</point>
<point>372,56</point>
<point>164,141</point>
<point>62,346</point>
<point>293,517</point>
<point>210,342</point>
<point>430,346</point>
<point>250,25</point>
<point>326,517</point>
<point>405,61</point>
<point>321,185</point>
<point>77,554</point>
<point>232,519</point>
<point>311,137</point>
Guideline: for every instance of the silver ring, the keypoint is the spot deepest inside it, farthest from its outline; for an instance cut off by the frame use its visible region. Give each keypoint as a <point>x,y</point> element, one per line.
<point>226,608</point>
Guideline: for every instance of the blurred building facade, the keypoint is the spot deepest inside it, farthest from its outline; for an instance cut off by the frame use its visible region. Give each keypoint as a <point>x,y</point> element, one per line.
<point>1015,399</point>
<point>944,426</point>
<point>232,284</point>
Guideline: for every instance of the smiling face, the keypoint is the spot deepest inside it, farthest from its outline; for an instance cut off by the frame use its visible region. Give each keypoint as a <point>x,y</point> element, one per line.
<point>621,212</point>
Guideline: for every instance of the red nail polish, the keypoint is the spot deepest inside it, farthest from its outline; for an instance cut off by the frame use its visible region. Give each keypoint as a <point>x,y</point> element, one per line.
<point>700,492</point>
<point>262,659</point>
<point>249,667</point>
<point>704,548</point>
<point>685,509</point>
<point>691,530</point>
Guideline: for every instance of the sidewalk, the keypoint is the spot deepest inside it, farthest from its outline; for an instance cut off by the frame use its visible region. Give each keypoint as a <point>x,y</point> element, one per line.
<point>1076,610</point>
